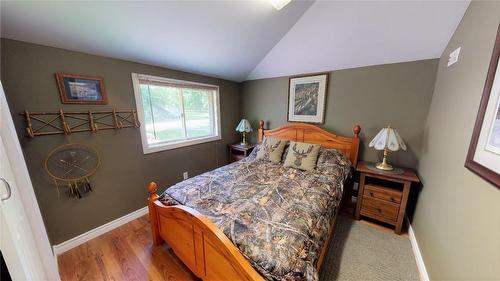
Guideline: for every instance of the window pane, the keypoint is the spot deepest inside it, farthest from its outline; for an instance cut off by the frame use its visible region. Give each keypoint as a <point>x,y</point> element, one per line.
<point>197,108</point>
<point>165,111</point>
<point>148,116</point>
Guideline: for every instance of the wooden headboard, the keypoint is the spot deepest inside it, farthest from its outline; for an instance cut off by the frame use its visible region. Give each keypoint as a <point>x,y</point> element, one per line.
<point>302,132</point>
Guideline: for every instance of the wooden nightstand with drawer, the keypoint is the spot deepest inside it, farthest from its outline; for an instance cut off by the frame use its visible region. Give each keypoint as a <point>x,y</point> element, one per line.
<point>383,195</point>
<point>238,151</point>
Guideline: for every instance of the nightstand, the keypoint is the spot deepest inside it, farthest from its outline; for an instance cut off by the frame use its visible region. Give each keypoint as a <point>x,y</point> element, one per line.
<point>383,195</point>
<point>238,151</point>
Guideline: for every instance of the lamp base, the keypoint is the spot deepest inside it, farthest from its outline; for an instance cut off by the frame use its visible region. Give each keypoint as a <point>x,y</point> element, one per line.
<point>244,140</point>
<point>384,166</point>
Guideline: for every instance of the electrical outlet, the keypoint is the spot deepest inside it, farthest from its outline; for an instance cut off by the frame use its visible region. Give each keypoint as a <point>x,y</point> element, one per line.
<point>453,58</point>
<point>185,175</point>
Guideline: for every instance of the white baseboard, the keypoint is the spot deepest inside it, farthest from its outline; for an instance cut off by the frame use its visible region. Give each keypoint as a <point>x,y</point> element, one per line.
<point>416,251</point>
<point>93,233</point>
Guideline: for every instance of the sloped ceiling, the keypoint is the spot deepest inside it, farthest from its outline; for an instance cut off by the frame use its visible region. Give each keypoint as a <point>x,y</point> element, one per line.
<point>347,34</point>
<point>218,38</point>
<point>240,40</point>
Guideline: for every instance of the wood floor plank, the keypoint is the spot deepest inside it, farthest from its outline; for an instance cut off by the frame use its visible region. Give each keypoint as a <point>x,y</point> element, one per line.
<point>131,267</point>
<point>149,260</point>
<point>109,267</point>
<point>140,243</point>
<point>160,264</point>
<point>66,263</point>
<point>125,253</point>
<point>86,269</point>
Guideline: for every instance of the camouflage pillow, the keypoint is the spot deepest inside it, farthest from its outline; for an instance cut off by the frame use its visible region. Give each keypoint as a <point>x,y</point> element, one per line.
<point>332,162</point>
<point>271,149</point>
<point>302,156</point>
<point>253,154</point>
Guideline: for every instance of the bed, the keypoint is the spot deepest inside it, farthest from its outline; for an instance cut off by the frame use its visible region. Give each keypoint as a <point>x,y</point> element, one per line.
<point>254,220</point>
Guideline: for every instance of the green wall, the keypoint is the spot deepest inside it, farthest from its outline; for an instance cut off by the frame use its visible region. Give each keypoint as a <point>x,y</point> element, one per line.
<point>457,219</point>
<point>120,183</point>
<point>373,97</point>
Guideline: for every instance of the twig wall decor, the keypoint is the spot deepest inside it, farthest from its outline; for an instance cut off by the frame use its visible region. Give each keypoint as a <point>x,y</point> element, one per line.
<point>67,122</point>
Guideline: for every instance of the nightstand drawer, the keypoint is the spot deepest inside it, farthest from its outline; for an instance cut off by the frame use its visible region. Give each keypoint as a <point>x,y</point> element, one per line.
<point>383,193</point>
<point>380,210</point>
<point>237,157</point>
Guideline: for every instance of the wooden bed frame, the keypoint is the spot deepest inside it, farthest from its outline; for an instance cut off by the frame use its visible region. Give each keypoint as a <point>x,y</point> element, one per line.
<point>201,245</point>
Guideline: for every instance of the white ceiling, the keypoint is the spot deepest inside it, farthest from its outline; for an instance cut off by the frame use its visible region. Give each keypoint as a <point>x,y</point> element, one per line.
<point>347,34</point>
<point>218,38</point>
<point>240,40</point>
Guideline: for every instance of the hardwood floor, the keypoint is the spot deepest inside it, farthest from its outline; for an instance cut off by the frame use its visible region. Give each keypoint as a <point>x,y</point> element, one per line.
<point>125,253</point>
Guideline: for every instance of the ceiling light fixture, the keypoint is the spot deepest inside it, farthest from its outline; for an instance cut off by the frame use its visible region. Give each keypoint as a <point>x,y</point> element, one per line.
<point>279,4</point>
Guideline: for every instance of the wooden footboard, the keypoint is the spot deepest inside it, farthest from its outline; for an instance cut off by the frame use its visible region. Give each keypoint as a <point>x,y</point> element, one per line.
<point>197,241</point>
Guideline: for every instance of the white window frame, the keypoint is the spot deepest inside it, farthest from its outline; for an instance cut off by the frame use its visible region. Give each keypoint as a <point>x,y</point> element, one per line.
<point>167,145</point>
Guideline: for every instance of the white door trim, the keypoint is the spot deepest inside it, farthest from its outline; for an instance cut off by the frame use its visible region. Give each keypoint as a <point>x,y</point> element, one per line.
<point>25,188</point>
<point>93,233</point>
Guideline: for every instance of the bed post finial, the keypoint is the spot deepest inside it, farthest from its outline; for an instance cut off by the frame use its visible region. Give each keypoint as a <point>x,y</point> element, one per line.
<point>355,146</point>
<point>152,188</point>
<point>261,130</point>
<point>356,131</point>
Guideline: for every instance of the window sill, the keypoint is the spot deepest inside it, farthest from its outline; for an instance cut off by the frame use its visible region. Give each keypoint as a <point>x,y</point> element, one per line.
<point>177,144</point>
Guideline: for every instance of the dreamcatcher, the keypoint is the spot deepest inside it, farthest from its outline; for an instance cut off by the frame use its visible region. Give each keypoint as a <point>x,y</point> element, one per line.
<point>71,166</point>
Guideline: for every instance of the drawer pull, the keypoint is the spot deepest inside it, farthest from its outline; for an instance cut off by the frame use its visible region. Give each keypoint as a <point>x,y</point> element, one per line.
<point>379,210</point>
<point>392,199</point>
<point>371,194</point>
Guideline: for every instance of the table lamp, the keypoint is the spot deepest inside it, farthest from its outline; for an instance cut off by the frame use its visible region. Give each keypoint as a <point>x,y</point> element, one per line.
<point>244,127</point>
<point>387,139</point>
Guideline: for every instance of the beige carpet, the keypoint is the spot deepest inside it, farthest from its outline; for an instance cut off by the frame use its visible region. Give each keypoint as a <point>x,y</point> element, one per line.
<point>362,252</point>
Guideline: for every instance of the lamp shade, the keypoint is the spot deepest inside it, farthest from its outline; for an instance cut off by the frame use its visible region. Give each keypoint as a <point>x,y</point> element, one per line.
<point>244,126</point>
<point>388,138</point>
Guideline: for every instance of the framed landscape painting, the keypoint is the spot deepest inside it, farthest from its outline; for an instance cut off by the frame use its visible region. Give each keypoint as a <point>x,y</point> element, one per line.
<point>483,157</point>
<point>80,89</point>
<point>307,97</point>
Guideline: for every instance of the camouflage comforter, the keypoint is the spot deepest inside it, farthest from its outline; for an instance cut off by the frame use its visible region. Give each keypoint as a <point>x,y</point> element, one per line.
<point>277,217</point>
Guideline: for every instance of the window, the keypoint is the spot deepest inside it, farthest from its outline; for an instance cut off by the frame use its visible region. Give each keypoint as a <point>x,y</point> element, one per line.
<point>175,113</point>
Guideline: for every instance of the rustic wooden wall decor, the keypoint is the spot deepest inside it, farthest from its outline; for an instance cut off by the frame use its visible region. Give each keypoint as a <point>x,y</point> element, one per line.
<point>67,122</point>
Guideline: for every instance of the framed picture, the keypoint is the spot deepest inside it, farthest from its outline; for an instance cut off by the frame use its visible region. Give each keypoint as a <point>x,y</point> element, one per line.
<point>307,97</point>
<point>80,89</point>
<point>483,157</point>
